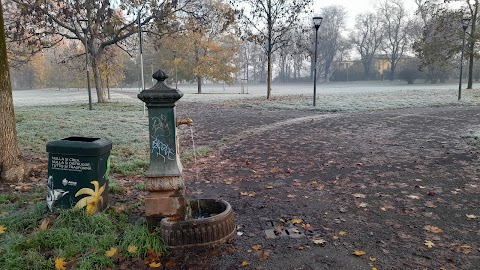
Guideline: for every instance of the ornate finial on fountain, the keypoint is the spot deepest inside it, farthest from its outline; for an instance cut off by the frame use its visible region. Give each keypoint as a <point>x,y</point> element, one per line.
<point>160,93</point>
<point>160,75</point>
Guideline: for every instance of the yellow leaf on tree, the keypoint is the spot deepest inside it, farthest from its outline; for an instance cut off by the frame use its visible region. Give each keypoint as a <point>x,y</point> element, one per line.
<point>155,264</point>
<point>3,229</point>
<point>429,244</point>
<point>433,229</point>
<point>132,249</point>
<point>111,252</point>
<point>359,253</point>
<point>60,264</point>
<point>245,264</point>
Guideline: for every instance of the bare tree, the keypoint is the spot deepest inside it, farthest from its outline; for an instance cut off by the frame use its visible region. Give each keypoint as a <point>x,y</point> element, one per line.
<point>331,39</point>
<point>396,25</point>
<point>12,165</point>
<point>46,23</point>
<point>269,23</point>
<point>366,39</point>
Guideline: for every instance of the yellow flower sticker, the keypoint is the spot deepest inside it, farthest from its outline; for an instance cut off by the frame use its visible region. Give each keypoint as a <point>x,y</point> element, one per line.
<point>93,200</point>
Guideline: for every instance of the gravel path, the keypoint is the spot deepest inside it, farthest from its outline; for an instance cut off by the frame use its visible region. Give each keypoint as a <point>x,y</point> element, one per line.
<point>373,182</point>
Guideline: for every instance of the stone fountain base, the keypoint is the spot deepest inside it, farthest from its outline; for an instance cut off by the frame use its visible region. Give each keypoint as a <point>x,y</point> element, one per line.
<point>212,224</point>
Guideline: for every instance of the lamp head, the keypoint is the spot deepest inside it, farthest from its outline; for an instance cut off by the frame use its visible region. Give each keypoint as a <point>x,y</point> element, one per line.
<point>317,21</point>
<point>465,23</point>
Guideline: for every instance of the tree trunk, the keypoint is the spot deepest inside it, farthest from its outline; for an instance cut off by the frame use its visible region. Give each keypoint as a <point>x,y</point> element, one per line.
<point>199,84</point>
<point>101,93</point>
<point>269,71</point>
<point>472,47</point>
<point>12,165</point>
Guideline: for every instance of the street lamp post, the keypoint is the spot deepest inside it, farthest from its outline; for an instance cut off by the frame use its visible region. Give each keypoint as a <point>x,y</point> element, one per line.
<point>85,29</point>
<point>175,64</point>
<point>317,21</point>
<point>465,24</point>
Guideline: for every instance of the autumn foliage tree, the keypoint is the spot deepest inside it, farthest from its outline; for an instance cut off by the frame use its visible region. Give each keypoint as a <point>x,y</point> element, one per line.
<point>12,166</point>
<point>106,23</point>
<point>208,44</point>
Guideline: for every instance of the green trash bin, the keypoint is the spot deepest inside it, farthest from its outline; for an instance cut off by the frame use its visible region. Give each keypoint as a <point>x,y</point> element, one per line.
<point>78,173</point>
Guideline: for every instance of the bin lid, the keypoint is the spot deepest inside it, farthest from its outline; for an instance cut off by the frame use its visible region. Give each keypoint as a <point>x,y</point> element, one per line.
<point>80,146</point>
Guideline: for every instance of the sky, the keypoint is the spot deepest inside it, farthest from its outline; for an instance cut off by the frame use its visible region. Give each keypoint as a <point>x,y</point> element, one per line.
<point>355,7</point>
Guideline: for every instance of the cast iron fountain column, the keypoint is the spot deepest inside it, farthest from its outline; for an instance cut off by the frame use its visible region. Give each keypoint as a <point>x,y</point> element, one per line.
<point>164,183</point>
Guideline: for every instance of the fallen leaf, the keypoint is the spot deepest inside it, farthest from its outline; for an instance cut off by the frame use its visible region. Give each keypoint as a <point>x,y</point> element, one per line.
<point>374,268</point>
<point>301,248</point>
<point>269,187</point>
<point>433,229</point>
<point>362,205</point>
<point>132,249</point>
<point>264,255</point>
<point>273,171</point>
<point>291,196</point>
<point>414,197</point>
<point>257,247</point>
<point>296,221</point>
<point>252,194</point>
<point>335,237</point>
<point>44,225</point>
<point>3,229</point>
<point>359,195</point>
<point>319,241</point>
<point>296,231</point>
<point>430,204</point>
<point>307,227</point>
<point>245,264</point>
<point>170,264</point>
<point>60,264</point>
<point>466,249</point>
<point>429,244</point>
<point>111,252</point>
<point>155,264</point>
<point>359,253</point>
<point>471,216</point>
<point>342,233</point>
<point>372,259</point>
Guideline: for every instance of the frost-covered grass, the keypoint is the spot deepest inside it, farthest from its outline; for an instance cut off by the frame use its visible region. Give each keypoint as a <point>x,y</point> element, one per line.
<point>368,101</point>
<point>121,123</point>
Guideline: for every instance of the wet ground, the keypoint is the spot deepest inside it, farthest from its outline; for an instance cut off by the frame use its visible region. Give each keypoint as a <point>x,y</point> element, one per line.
<point>402,186</point>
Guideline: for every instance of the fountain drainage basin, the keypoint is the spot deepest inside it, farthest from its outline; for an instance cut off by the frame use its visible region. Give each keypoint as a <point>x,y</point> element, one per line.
<point>212,224</point>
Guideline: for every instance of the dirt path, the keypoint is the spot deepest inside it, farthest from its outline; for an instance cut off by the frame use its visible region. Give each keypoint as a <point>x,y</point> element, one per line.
<point>384,183</point>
